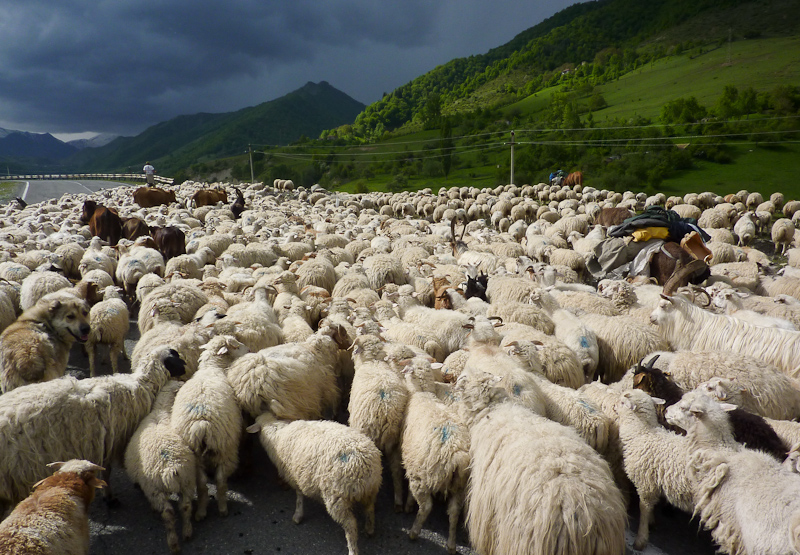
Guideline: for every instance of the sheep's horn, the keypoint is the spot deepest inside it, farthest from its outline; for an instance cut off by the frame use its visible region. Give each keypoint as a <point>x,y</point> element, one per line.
<point>650,364</point>
<point>681,276</point>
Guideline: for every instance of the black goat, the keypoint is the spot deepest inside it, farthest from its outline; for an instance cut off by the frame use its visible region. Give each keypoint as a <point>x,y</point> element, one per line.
<point>476,287</point>
<point>237,206</point>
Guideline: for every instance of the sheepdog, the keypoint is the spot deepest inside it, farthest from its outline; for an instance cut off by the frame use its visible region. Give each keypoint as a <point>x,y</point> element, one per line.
<point>35,348</point>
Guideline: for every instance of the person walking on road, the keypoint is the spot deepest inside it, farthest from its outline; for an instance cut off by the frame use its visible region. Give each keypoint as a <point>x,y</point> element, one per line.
<point>149,172</point>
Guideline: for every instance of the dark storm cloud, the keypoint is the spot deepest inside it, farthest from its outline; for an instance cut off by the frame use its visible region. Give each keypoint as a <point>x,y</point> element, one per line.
<point>120,66</point>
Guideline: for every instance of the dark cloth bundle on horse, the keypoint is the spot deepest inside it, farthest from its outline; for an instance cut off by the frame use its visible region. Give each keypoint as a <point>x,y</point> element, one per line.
<point>656,216</point>
<point>624,253</point>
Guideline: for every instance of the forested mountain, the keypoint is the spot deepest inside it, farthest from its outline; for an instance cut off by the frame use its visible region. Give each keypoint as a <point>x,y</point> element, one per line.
<point>185,140</point>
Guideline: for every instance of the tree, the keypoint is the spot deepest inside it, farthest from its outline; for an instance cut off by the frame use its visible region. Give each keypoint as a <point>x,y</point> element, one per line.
<point>748,101</point>
<point>597,102</point>
<point>727,106</point>
<point>447,147</point>
<point>682,110</point>
<point>433,111</point>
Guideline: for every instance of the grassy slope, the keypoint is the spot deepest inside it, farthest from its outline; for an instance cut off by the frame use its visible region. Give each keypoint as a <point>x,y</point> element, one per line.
<point>762,64</point>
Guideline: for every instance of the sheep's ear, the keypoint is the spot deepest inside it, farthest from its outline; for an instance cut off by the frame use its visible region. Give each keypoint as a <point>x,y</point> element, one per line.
<point>254,428</point>
<point>468,326</point>
<point>658,401</point>
<point>638,379</point>
<point>223,350</point>
<point>56,466</point>
<point>436,365</point>
<point>667,374</point>
<point>728,407</point>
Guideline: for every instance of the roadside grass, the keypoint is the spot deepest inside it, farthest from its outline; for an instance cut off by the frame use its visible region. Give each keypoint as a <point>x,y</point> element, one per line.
<point>754,168</point>
<point>7,190</point>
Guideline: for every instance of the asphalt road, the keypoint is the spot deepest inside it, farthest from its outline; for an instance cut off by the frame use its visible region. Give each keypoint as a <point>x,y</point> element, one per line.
<point>40,190</point>
<point>261,507</point>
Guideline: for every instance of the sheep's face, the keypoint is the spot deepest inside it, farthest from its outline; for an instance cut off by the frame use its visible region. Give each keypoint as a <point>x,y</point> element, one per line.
<point>680,415</point>
<point>638,402</point>
<point>721,389</point>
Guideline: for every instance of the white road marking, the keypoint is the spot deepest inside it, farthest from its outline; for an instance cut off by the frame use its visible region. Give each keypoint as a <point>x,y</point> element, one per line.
<point>25,192</point>
<point>82,185</point>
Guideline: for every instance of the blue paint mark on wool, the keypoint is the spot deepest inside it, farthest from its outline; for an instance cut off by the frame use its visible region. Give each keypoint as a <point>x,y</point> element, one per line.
<point>344,457</point>
<point>584,342</point>
<point>587,406</point>
<point>195,408</point>
<point>517,390</point>
<point>447,431</point>
<point>383,394</point>
<point>165,454</point>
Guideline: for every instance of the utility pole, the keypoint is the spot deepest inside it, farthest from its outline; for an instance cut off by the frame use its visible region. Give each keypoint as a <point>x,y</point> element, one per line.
<point>512,143</point>
<point>252,177</point>
<point>730,38</point>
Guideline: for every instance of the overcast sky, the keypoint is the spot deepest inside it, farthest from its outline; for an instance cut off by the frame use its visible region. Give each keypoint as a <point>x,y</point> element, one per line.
<point>72,67</point>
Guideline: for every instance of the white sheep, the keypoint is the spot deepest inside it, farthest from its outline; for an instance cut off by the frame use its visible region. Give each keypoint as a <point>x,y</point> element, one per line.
<point>54,519</point>
<point>146,284</point>
<point>205,414</point>
<point>190,265</point>
<point>530,475</point>
<point>655,459</point>
<point>782,235</point>
<point>38,284</point>
<point>327,461</point>
<point>745,229</point>
<point>622,341</point>
<point>94,258</point>
<point>109,321</point>
<point>254,323</point>
<point>435,452</point>
<point>688,327</point>
<point>92,418</point>
<point>171,302</point>
<point>317,271</point>
<point>572,332</point>
<point>730,301</point>
<point>68,257</point>
<point>447,325</point>
<point>185,339</point>
<point>294,380</point>
<point>377,405</point>
<point>485,354</point>
<point>382,269</point>
<point>522,313</point>
<point>162,464</point>
<point>748,500</point>
<point>294,322</point>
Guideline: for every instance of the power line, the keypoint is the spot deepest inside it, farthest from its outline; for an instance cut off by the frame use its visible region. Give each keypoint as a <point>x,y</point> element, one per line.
<point>544,130</point>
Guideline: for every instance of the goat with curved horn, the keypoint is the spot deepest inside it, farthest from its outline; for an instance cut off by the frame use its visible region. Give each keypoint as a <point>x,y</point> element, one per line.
<point>681,276</point>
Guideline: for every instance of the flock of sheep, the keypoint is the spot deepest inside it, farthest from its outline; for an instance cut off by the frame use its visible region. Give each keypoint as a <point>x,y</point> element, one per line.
<point>351,331</point>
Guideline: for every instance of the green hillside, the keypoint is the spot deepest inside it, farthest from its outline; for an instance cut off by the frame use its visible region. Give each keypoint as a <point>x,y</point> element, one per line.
<point>762,64</point>
<point>623,34</point>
